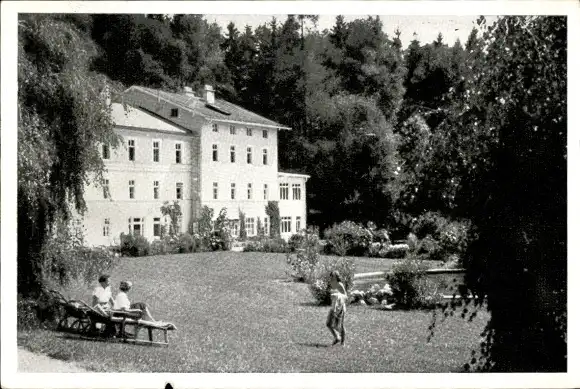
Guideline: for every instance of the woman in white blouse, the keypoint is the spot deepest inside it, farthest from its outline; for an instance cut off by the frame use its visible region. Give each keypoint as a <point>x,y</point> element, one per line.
<point>122,302</point>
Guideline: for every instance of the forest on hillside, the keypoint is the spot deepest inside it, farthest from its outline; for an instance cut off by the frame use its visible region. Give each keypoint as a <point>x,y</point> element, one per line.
<point>353,91</point>
<point>475,131</point>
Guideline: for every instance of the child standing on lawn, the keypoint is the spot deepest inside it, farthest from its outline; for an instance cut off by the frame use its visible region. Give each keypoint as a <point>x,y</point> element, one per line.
<point>335,319</point>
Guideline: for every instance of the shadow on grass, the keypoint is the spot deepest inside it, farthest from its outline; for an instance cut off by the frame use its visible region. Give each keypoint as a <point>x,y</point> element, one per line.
<point>315,344</point>
<point>310,304</point>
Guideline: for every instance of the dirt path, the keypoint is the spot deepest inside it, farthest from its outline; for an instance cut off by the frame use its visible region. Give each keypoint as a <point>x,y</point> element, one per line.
<point>29,362</point>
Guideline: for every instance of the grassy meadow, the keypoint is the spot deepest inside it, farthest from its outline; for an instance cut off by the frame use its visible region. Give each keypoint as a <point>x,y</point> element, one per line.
<point>238,312</point>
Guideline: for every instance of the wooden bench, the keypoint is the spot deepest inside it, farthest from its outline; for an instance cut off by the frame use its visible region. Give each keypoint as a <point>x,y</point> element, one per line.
<point>138,324</point>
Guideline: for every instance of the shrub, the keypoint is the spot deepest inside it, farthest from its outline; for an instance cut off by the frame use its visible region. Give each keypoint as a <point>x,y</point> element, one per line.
<point>396,251</point>
<point>36,313</point>
<point>64,260</point>
<point>275,245</point>
<point>438,237</point>
<point>429,248</point>
<point>348,238</point>
<point>186,243</point>
<point>266,245</point>
<point>410,287</point>
<point>254,246</point>
<point>174,213</point>
<point>412,242</point>
<point>134,245</point>
<point>158,247</point>
<point>273,212</point>
<point>319,280</point>
<point>380,236</point>
<point>304,262</point>
<point>221,238</point>
<point>243,232</point>
<point>295,241</point>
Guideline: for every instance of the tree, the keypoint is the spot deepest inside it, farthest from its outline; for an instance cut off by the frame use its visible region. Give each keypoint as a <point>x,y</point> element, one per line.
<point>134,49</point>
<point>273,212</point>
<point>367,63</point>
<point>243,231</point>
<point>173,211</point>
<point>504,144</point>
<point>353,169</point>
<point>63,121</point>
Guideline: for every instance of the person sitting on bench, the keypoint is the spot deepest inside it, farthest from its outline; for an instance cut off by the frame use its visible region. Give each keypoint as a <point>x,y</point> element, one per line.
<point>102,295</point>
<point>122,302</point>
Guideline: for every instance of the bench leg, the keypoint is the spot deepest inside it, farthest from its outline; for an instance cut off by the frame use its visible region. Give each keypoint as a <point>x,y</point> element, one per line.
<point>150,334</point>
<point>165,336</point>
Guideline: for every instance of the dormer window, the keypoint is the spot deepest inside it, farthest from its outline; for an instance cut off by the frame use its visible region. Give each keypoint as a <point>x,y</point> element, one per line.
<point>214,127</point>
<point>174,112</point>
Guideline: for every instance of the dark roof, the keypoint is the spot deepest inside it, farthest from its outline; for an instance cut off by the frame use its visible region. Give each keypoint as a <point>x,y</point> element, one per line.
<point>220,110</point>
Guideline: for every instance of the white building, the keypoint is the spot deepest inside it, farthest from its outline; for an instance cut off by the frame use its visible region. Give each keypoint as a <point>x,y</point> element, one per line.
<point>198,151</point>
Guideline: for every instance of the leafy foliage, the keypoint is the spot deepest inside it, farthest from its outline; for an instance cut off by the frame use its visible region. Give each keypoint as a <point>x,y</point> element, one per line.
<point>306,257</point>
<point>319,280</point>
<point>173,211</point>
<point>267,245</point>
<point>243,231</point>
<point>63,119</point>
<point>410,287</point>
<point>348,238</point>
<point>502,154</point>
<point>134,245</point>
<point>273,212</point>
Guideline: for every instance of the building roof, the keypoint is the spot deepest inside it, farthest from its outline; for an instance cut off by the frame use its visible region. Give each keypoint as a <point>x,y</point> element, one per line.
<point>292,174</point>
<point>220,110</point>
<point>136,117</point>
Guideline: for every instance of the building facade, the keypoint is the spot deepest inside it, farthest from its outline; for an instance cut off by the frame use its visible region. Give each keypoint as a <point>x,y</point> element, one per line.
<point>199,151</point>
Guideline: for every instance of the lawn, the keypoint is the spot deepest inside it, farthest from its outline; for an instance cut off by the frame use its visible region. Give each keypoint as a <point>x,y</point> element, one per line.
<point>236,312</point>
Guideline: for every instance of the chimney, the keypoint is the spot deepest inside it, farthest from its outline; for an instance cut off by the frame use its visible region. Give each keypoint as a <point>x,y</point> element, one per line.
<point>188,91</point>
<point>209,94</point>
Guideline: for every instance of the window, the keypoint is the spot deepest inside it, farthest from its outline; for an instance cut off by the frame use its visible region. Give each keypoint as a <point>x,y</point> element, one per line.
<point>215,190</point>
<point>248,131</point>
<point>250,226</point>
<point>106,193</point>
<point>178,153</point>
<point>265,156</point>
<point>106,227</point>
<point>298,223</point>
<point>233,130</point>
<point>232,154</point>
<point>233,191</point>
<point>174,112</point>
<point>284,191</point>
<point>214,127</point>
<point>131,189</point>
<point>156,226</point>
<point>296,192</point>
<point>156,150</point>
<point>136,225</point>
<point>131,143</point>
<point>156,190</point>
<point>214,152</point>
<point>106,152</point>
<point>265,134</point>
<point>286,224</point>
<point>265,191</point>
<point>266,226</point>
<point>179,190</point>
<point>249,191</point>
<point>249,154</point>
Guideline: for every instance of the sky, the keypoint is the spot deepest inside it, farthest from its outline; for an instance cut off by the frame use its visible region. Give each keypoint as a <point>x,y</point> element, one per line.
<point>426,27</point>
